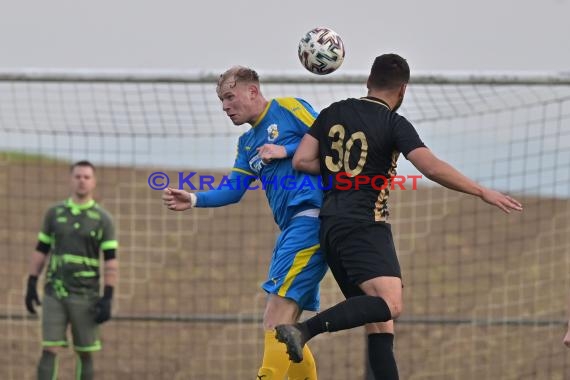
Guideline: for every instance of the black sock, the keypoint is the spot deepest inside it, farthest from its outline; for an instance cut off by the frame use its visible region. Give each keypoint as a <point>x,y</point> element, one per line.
<point>354,312</point>
<point>381,356</point>
<point>84,367</point>
<point>47,368</point>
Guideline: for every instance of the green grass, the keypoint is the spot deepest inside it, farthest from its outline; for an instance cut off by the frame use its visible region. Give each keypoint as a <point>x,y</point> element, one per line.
<point>28,157</point>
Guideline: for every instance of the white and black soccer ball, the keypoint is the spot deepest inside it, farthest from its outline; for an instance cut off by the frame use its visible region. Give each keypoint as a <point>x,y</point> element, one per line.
<point>321,51</point>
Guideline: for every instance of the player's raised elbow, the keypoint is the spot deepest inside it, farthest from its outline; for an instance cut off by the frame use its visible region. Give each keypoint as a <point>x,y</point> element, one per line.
<point>309,167</point>
<point>300,163</point>
<point>297,163</point>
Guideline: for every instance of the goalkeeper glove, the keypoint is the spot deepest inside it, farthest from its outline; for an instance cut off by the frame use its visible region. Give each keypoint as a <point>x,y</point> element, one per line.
<point>103,306</point>
<point>32,294</point>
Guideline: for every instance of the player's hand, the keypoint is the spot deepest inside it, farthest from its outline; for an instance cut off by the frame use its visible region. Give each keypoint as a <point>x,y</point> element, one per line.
<point>567,337</point>
<point>500,200</point>
<point>269,152</point>
<point>103,306</point>
<point>32,294</point>
<point>178,200</point>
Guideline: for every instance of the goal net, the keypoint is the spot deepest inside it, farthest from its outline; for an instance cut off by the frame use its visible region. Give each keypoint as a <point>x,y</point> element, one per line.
<point>485,295</point>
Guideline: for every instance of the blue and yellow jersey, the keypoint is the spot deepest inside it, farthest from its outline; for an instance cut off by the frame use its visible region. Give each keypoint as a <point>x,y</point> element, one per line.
<point>283,122</point>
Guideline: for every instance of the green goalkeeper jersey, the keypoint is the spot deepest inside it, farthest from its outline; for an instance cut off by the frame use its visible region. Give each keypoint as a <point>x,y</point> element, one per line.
<point>76,234</point>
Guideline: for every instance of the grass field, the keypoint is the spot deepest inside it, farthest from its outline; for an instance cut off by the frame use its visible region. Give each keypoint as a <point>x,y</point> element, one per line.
<point>484,293</point>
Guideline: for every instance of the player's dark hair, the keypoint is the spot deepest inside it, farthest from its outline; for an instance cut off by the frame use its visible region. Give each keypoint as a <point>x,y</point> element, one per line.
<point>389,71</point>
<point>82,163</point>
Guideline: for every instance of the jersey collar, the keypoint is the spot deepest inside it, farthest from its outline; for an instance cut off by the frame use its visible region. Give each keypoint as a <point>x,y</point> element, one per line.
<point>376,100</point>
<point>260,118</point>
<point>74,206</point>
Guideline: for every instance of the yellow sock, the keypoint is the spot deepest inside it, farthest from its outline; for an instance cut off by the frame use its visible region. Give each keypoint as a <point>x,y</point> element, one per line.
<point>275,359</point>
<point>306,370</point>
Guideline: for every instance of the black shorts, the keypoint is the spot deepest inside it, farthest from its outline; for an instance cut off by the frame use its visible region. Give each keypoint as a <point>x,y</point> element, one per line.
<point>358,251</point>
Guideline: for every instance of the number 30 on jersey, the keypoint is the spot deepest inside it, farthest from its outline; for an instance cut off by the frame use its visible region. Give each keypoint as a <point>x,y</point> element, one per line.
<point>337,133</point>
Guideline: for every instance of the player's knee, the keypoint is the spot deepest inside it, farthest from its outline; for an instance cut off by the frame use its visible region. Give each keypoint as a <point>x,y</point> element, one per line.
<point>279,311</point>
<point>270,320</point>
<point>52,350</point>
<point>395,305</point>
<point>396,310</point>
<point>268,325</point>
<point>84,355</point>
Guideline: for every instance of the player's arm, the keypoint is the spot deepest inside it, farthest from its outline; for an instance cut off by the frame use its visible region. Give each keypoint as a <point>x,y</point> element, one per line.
<point>270,152</point>
<point>37,263</point>
<point>45,240</point>
<point>230,190</point>
<point>40,256</point>
<point>441,172</point>
<point>109,246</point>
<point>233,190</point>
<point>306,158</point>
<point>111,268</point>
<point>110,279</point>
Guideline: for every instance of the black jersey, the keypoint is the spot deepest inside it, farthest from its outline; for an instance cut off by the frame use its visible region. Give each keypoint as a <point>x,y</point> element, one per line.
<point>360,139</point>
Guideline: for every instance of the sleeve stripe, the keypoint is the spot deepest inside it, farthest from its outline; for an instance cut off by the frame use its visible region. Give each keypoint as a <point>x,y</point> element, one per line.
<point>109,244</point>
<point>243,171</point>
<point>44,238</point>
<point>298,109</point>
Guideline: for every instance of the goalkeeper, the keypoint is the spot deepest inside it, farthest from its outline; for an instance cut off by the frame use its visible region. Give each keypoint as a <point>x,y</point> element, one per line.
<point>265,151</point>
<point>74,231</point>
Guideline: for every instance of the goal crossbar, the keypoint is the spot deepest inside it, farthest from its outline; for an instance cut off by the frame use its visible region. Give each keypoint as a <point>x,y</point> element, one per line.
<point>201,76</point>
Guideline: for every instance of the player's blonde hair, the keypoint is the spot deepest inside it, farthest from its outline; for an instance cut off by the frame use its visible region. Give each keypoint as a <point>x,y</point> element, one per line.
<point>234,75</point>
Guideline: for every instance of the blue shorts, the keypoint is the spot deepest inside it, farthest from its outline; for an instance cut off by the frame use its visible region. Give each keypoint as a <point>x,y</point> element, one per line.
<point>298,265</point>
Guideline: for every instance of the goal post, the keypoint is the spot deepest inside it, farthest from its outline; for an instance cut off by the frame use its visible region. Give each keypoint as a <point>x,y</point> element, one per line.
<point>486,294</point>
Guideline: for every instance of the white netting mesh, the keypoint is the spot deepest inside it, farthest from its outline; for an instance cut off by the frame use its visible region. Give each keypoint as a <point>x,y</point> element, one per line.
<point>485,294</point>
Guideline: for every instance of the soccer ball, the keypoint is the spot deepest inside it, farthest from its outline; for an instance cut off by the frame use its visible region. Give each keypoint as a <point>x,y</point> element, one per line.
<point>321,51</point>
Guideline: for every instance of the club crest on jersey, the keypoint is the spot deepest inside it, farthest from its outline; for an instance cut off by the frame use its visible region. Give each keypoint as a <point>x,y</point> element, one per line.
<point>272,132</point>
